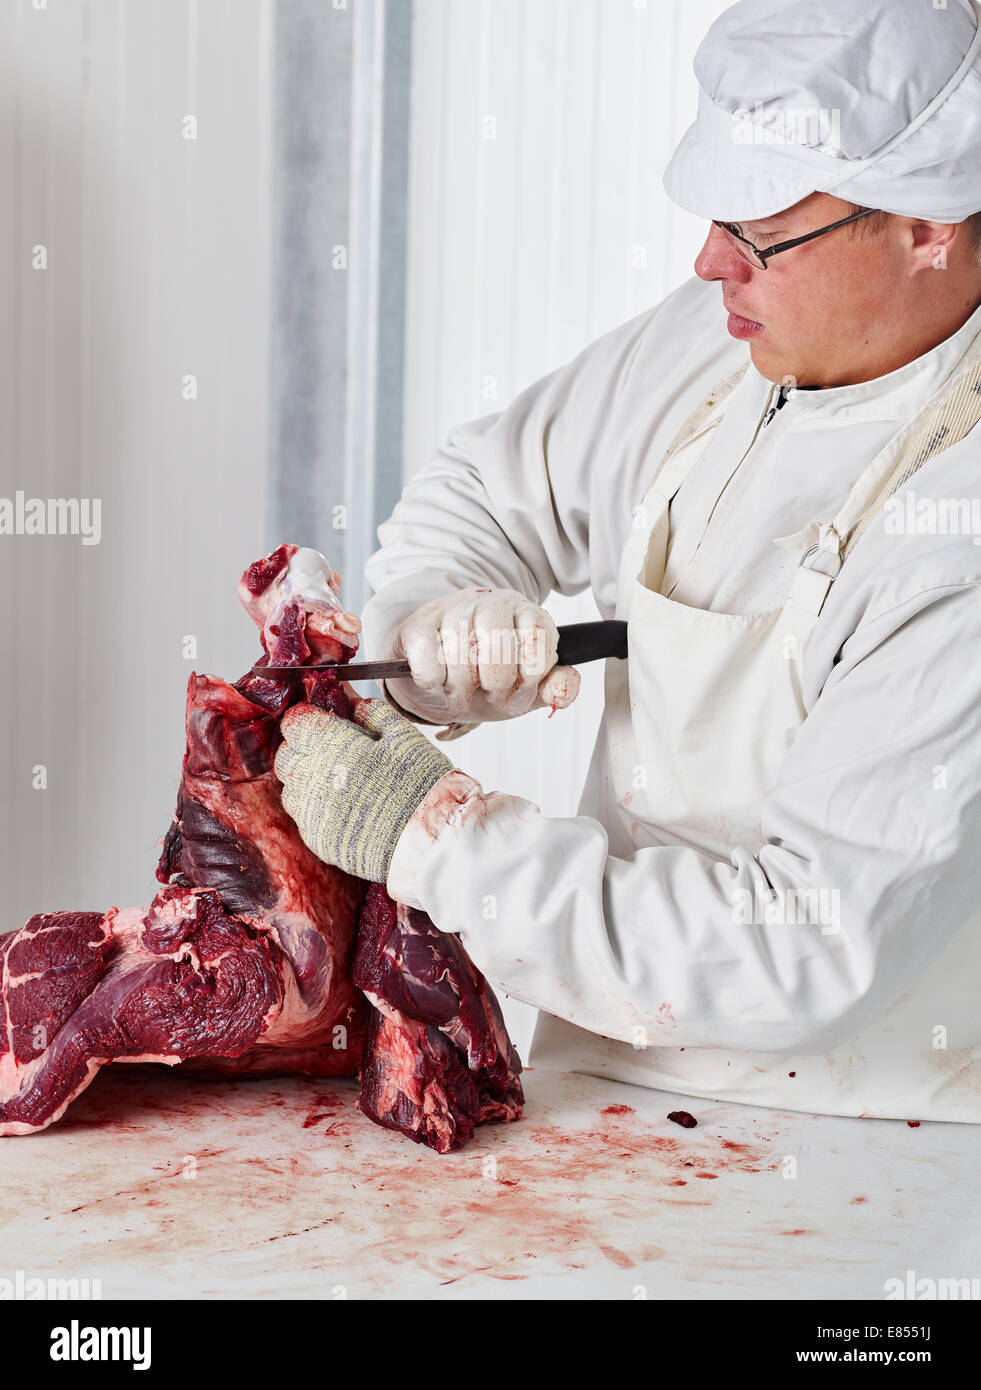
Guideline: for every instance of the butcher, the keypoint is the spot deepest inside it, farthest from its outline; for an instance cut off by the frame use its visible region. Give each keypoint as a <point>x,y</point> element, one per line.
<point>771,892</point>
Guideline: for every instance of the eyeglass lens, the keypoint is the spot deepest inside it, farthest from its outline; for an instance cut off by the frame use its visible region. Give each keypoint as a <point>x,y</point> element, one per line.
<point>746,251</point>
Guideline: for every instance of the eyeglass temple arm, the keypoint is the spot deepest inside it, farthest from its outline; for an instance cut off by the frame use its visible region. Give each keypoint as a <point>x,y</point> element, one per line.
<point>799,240</point>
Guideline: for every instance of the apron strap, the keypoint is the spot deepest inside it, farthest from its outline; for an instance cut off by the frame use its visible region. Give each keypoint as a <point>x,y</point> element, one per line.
<point>950,414</point>
<point>945,423</point>
<point>668,479</point>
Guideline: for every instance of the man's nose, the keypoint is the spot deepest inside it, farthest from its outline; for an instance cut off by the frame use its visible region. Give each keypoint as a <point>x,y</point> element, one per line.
<point>719,259</point>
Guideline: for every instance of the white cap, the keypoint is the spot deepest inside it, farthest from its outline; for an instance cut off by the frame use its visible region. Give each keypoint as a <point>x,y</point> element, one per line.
<point>875,101</point>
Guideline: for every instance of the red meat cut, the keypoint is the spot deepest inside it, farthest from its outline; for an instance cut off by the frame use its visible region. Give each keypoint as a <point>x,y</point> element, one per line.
<point>438,1060</point>
<point>255,958</point>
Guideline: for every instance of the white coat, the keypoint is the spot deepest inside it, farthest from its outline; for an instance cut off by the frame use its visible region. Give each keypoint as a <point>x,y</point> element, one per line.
<point>650,949</point>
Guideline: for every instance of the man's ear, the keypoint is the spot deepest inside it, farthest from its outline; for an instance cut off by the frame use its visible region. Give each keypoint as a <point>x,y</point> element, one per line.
<point>932,241</point>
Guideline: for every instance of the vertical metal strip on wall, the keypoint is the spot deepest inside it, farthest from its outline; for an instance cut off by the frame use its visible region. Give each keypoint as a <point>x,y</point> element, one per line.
<point>392,273</point>
<point>341,159</point>
<point>308,332</point>
<point>367,105</point>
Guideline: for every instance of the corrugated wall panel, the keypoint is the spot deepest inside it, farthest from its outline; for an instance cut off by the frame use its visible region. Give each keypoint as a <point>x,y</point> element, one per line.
<point>158,270</point>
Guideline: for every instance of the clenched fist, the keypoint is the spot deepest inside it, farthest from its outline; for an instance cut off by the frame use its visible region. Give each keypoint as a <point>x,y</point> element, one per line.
<point>478,655</point>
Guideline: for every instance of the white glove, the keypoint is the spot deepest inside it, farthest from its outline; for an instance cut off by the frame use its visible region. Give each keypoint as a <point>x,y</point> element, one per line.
<point>480,655</point>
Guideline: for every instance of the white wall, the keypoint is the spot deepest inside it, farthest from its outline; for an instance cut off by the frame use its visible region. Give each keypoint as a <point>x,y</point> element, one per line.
<point>540,130</point>
<point>157,267</point>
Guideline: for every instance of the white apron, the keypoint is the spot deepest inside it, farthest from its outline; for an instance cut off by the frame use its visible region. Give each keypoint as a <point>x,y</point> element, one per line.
<point>698,721</point>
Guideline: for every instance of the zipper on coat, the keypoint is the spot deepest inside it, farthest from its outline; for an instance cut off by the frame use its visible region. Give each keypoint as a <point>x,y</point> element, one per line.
<point>782,400</point>
<point>769,410</point>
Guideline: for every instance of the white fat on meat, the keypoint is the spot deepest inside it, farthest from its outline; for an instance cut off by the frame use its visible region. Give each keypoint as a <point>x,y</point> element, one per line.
<point>309,581</point>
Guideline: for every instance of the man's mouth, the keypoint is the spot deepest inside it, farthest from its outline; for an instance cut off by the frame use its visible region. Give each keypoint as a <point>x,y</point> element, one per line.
<point>747,318</point>
<point>740,326</point>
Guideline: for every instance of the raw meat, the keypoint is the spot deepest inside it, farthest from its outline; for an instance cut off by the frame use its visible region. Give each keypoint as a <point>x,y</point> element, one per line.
<point>180,979</point>
<point>231,834</point>
<point>253,957</point>
<point>439,1060</point>
<point>293,596</point>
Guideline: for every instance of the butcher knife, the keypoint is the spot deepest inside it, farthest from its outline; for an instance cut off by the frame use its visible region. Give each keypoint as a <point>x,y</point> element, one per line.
<point>578,643</point>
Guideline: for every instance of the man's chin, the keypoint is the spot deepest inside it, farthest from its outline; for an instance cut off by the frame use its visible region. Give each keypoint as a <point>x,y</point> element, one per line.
<point>768,362</point>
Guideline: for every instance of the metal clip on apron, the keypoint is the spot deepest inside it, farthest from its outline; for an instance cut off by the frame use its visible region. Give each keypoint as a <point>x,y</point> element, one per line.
<point>699,720</point>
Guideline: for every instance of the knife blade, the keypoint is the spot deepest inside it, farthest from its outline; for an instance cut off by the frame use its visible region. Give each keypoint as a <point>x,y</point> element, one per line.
<point>578,643</point>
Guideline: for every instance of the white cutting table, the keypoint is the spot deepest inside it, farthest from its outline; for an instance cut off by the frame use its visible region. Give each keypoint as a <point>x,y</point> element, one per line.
<point>159,1185</point>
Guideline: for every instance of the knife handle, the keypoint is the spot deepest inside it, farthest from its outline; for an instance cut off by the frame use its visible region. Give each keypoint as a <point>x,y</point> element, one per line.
<point>579,642</point>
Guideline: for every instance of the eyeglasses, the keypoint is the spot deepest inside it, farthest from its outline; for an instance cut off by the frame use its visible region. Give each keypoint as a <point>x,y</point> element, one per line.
<point>759,258</point>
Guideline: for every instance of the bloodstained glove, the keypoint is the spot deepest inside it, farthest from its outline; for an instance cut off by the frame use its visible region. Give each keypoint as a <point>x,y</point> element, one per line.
<point>476,655</point>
